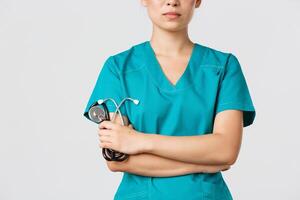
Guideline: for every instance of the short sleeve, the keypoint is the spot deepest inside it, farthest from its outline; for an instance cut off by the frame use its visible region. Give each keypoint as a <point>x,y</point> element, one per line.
<point>234,93</point>
<point>108,85</point>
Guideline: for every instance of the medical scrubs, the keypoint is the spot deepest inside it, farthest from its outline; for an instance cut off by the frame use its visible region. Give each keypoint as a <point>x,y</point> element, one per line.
<point>212,82</point>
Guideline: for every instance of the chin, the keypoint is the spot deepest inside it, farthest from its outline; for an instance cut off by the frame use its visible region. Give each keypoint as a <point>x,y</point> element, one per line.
<point>171,27</point>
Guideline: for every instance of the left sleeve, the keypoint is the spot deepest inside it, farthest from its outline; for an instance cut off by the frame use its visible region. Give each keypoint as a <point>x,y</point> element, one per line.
<point>108,85</point>
<point>234,93</point>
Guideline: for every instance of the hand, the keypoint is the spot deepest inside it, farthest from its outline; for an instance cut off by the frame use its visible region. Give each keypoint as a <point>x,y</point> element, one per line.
<point>120,138</point>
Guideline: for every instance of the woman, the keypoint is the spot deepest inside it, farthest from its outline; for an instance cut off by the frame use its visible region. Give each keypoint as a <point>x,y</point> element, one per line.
<point>193,105</point>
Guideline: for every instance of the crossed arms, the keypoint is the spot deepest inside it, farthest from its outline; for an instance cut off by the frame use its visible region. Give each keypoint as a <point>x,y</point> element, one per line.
<point>173,155</point>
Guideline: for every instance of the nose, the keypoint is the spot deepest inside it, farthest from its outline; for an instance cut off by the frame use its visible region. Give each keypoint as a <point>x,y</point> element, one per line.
<point>172,2</point>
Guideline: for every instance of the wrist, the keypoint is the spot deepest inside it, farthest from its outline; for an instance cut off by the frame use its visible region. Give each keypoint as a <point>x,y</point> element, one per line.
<point>145,142</point>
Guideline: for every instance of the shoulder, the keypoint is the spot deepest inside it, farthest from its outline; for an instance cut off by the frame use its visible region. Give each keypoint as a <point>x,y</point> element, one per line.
<point>129,59</point>
<point>216,57</point>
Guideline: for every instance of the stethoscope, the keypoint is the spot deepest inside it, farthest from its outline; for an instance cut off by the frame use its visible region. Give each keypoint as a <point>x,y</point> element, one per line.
<point>98,112</point>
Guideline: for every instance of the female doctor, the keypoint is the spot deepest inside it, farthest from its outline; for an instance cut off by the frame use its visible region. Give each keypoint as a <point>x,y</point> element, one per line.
<point>193,104</point>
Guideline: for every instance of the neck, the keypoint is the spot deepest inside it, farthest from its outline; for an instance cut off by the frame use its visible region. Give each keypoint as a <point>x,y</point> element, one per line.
<point>170,43</point>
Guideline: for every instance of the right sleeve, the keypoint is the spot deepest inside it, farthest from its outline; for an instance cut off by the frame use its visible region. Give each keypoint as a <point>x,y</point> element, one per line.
<point>107,85</point>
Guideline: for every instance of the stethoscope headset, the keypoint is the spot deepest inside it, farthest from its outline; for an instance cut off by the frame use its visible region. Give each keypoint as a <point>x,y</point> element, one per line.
<point>99,112</point>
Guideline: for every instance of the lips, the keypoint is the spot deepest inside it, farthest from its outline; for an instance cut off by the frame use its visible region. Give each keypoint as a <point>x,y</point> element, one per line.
<point>172,13</point>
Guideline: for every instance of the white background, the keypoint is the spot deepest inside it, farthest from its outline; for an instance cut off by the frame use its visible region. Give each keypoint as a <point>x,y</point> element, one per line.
<point>50,56</point>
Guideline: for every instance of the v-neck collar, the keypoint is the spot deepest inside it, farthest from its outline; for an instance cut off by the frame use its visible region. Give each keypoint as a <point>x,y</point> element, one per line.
<point>154,68</point>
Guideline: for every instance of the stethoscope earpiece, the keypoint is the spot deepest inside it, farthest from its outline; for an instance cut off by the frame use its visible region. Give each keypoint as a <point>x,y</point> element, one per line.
<point>99,112</point>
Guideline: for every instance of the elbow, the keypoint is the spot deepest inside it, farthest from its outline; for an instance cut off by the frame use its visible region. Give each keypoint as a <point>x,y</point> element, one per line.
<point>230,161</point>
<point>222,159</point>
<point>225,157</point>
<point>116,166</point>
<point>230,157</point>
<point>112,166</point>
<point>229,153</point>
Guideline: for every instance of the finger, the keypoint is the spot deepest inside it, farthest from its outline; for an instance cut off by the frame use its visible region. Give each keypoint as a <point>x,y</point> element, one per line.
<point>104,132</point>
<point>106,125</point>
<point>105,145</point>
<point>105,139</point>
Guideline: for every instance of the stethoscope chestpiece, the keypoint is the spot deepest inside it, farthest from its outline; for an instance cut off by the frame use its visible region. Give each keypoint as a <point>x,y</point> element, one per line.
<point>98,113</point>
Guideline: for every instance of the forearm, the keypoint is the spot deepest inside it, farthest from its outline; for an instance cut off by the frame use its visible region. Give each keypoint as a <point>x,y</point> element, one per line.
<point>208,149</point>
<point>161,160</point>
<point>152,165</point>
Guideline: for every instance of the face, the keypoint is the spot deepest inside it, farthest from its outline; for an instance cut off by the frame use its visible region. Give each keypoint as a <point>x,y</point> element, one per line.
<point>182,12</point>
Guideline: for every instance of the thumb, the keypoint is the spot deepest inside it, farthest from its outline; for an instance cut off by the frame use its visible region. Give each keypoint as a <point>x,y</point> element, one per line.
<point>130,126</point>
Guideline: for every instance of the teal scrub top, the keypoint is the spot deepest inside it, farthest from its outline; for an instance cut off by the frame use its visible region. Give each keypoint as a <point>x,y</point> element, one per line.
<point>213,81</point>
